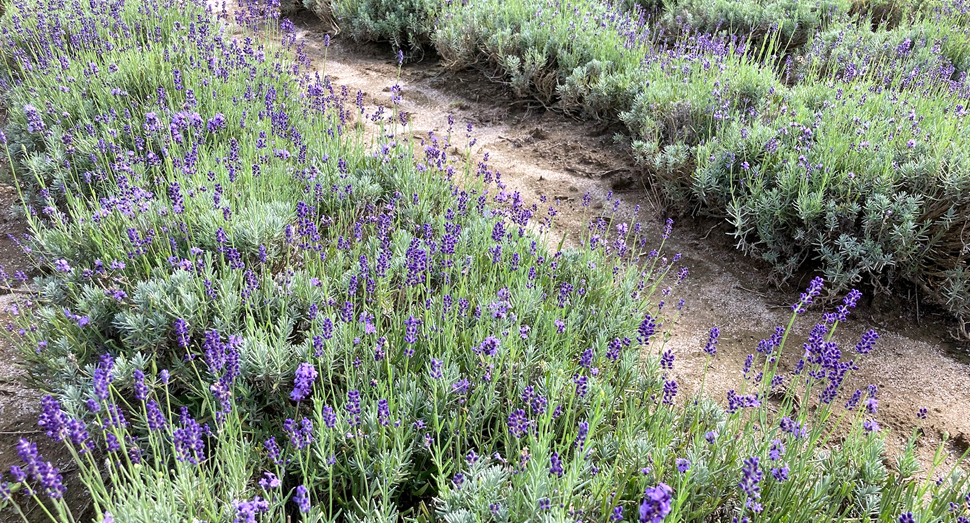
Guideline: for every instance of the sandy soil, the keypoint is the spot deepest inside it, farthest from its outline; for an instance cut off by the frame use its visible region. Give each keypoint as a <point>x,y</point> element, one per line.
<point>915,365</point>
<point>19,404</point>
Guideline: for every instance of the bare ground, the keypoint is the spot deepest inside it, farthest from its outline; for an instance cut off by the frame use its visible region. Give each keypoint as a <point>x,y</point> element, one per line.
<point>915,365</point>
<point>19,404</point>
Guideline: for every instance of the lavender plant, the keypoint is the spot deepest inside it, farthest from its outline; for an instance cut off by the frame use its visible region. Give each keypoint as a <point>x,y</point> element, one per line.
<point>795,22</point>
<point>406,25</point>
<point>713,98</point>
<point>249,311</point>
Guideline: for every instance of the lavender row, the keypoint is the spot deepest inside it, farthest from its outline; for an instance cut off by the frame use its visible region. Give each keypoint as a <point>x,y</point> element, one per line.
<point>823,133</point>
<point>251,308</point>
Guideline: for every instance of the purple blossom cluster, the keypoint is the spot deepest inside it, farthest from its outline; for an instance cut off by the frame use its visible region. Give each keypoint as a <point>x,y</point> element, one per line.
<point>36,471</point>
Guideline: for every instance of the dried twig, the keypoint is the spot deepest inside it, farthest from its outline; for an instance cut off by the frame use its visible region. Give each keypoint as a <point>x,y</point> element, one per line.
<point>11,290</point>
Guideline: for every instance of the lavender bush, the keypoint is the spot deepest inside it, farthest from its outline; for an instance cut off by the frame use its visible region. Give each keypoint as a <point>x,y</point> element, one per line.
<point>406,24</point>
<point>793,21</point>
<point>249,311</point>
<point>742,110</point>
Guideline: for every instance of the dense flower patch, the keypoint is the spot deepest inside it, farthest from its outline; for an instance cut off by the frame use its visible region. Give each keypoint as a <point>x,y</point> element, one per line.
<point>251,312</point>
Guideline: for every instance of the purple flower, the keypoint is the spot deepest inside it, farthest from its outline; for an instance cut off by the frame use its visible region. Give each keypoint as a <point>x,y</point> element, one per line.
<point>668,228</point>
<point>216,123</point>
<point>78,433</point>
<point>907,517</point>
<point>683,465</point>
<point>750,478</point>
<point>383,412</point>
<point>781,473</point>
<point>189,444</point>
<point>902,49</point>
<point>854,400</point>
<point>115,417</point>
<point>61,265</point>
<point>498,232</point>
<point>670,390</point>
<point>872,404</point>
<point>489,346</point>
<point>792,427</point>
<point>747,365</point>
<point>667,360</point>
<point>37,470</point>
<point>411,332</point>
<point>458,480</point>
<point>151,122</point>
<point>246,510</point>
<point>273,450</point>
<point>154,416</point>
<point>814,289</point>
<point>301,434</point>
<point>867,342</point>
<point>175,195</point>
<point>52,418</point>
<point>269,481</point>
<point>711,436</point>
<point>222,392</point>
<point>141,390</point>
<point>646,329</point>
<point>102,376</point>
<point>581,436</point>
<point>656,504</point>
<point>461,388</point>
<point>776,450</point>
<point>613,349</point>
<point>736,401</point>
<point>849,302</point>
<point>617,514</point>
<point>555,465</point>
<point>353,406</point>
<point>302,499</point>
<point>329,417</point>
<point>711,347</point>
<point>303,381</point>
<point>581,385</point>
<point>435,371</point>
<point>518,423</point>
<point>35,123</point>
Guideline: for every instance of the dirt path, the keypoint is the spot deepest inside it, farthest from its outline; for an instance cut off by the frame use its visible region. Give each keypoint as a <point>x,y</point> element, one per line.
<point>541,153</point>
<point>19,404</point>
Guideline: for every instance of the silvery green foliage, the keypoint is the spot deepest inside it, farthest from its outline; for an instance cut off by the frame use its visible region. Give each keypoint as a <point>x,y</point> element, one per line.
<point>484,486</point>
<point>797,21</point>
<point>406,24</point>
